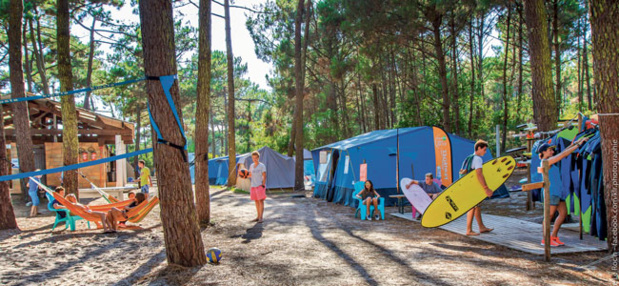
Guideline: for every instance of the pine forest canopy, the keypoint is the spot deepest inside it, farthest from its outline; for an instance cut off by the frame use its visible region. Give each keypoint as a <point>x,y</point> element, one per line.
<point>370,65</point>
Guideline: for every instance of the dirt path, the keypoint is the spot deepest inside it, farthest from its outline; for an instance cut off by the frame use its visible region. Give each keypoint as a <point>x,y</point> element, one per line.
<point>303,241</point>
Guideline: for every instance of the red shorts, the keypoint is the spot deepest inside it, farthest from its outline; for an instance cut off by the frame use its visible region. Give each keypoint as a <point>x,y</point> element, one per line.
<point>257,193</point>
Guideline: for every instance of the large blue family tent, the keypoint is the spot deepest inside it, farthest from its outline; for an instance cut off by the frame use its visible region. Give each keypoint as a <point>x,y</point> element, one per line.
<point>338,164</point>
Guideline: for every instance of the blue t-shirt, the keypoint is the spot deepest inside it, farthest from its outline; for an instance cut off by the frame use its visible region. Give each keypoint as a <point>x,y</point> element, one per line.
<point>32,186</point>
<point>430,189</point>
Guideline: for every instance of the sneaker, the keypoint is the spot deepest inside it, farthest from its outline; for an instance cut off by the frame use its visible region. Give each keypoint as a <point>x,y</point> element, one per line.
<point>369,217</point>
<point>553,243</point>
<point>556,239</point>
<point>376,217</point>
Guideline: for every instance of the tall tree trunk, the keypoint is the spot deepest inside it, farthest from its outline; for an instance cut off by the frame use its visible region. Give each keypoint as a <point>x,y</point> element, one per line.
<point>299,69</point>
<point>231,113</point>
<point>16,9</point>
<point>454,61</point>
<point>293,133</point>
<point>544,104</point>
<point>7,214</point>
<point>70,144</point>
<point>39,58</point>
<point>442,69</point>
<point>203,201</point>
<point>557,46</point>
<point>91,55</point>
<point>505,98</point>
<point>213,141</point>
<point>21,117</point>
<point>181,231</point>
<point>376,107</point>
<point>579,69</point>
<point>363,114</point>
<point>471,100</point>
<point>520,62</point>
<point>604,23</point>
<point>138,138</point>
<point>28,61</point>
<point>480,54</point>
<point>586,71</point>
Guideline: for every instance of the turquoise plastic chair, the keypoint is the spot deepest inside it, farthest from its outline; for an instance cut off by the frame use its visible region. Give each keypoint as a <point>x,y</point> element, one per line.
<point>69,220</point>
<point>361,208</point>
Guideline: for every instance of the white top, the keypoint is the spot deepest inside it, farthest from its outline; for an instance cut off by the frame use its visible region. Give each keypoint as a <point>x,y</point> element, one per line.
<point>477,163</point>
<point>256,174</point>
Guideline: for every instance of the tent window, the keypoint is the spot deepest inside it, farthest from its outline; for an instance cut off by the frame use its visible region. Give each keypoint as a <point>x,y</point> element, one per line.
<point>346,163</point>
<point>323,169</point>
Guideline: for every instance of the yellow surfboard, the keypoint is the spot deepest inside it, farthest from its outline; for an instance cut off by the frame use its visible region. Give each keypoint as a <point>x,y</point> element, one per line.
<point>466,193</point>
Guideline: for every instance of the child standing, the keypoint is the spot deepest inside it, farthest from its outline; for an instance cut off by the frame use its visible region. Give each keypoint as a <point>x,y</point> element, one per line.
<point>258,176</point>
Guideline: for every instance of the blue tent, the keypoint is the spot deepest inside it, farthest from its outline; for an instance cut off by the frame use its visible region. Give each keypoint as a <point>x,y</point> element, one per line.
<point>218,170</point>
<point>341,161</point>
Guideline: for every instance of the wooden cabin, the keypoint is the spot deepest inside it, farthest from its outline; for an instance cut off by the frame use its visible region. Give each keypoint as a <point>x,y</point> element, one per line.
<point>99,136</point>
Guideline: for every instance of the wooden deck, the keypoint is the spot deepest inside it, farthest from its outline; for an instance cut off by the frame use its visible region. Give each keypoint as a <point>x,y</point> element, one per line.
<point>521,235</point>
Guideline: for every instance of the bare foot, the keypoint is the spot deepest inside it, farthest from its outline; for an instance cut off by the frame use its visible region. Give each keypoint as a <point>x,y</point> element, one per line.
<point>472,233</point>
<point>485,230</point>
<point>260,221</point>
<point>254,220</point>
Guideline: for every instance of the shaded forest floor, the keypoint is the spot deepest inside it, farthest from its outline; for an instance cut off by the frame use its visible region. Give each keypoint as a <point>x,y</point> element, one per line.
<point>302,241</point>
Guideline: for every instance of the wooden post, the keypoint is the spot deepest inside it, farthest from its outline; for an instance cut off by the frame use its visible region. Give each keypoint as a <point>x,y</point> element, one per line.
<point>530,204</point>
<point>546,168</point>
<point>121,165</point>
<point>580,123</point>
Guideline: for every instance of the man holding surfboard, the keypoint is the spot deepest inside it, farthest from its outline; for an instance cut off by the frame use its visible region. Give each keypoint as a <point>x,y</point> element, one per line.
<point>481,147</point>
<point>430,187</point>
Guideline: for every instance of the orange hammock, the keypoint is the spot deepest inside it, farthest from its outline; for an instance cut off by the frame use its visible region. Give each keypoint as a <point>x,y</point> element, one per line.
<point>134,215</point>
<point>89,216</point>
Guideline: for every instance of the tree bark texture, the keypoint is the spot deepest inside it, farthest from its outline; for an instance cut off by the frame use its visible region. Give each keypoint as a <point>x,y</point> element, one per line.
<point>231,114</point>
<point>505,98</point>
<point>138,138</point>
<point>181,231</point>
<point>557,46</point>
<point>544,104</point>
<point>299,69</point>
<point>7,214</point>
<point>27,62</point>
<point>605,34</point>
<point>70,144</point>
<point>21,118</point>
<point>203,200</point>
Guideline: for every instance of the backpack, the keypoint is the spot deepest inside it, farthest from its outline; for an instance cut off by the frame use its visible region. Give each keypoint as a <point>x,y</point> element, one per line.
<point>467,165</point>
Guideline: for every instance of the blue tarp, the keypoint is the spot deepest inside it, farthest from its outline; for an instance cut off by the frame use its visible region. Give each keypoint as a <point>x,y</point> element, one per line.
<point>335,179</point>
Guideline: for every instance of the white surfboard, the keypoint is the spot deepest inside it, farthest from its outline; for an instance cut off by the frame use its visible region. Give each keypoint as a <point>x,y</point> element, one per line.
<point>415,195</point>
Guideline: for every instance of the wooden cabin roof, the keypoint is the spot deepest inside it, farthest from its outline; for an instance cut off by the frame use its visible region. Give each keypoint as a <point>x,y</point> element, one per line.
<point>92,127</point>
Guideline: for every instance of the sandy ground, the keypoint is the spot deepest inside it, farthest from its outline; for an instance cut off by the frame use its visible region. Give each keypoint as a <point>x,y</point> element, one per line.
<point>303,241</point>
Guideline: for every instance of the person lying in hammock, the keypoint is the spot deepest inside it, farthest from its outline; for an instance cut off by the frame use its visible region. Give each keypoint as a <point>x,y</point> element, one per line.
<point>115,215</point>
<point>106,226</point>
<point>137,200</point>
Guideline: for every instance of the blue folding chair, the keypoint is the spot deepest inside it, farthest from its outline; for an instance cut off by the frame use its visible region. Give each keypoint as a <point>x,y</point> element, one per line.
<point>361,208</point>
<point>68,219</point>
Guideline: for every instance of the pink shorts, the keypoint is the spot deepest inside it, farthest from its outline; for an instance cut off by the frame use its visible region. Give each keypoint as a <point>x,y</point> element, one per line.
<point>257,193</point>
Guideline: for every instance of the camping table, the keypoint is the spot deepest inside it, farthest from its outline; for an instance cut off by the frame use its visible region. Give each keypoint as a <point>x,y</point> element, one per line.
<point>400,202</point>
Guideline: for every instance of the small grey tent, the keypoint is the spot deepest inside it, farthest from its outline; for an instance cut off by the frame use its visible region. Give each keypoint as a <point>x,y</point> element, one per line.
<point>280,168</point>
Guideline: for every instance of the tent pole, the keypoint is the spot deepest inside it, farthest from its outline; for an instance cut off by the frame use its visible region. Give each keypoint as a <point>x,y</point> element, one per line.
<point>397,161</point>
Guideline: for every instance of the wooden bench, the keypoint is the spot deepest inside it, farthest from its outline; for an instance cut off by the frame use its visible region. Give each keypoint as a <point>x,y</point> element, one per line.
<point>400,202</point>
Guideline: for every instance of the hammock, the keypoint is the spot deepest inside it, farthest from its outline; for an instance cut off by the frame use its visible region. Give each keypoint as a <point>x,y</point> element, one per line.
<point>134,213</point>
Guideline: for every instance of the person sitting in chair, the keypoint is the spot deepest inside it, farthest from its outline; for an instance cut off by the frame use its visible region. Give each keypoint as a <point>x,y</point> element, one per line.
<point>429,186</point>
<point>369,196</point>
